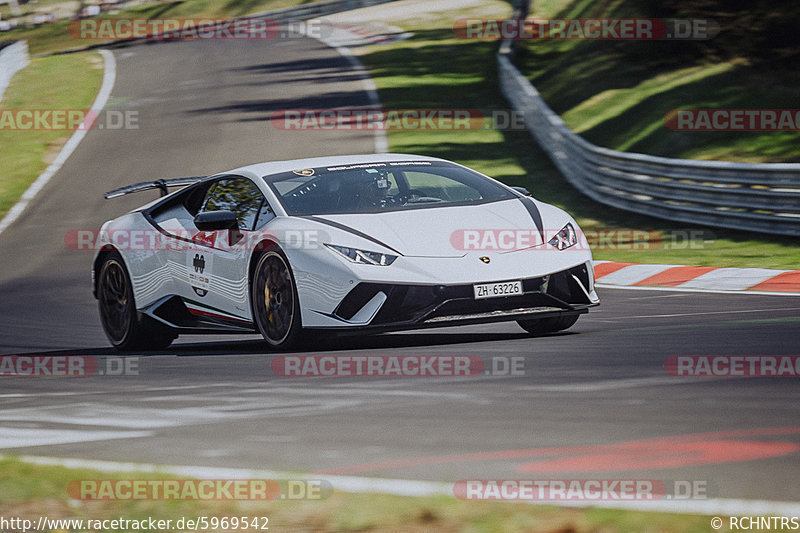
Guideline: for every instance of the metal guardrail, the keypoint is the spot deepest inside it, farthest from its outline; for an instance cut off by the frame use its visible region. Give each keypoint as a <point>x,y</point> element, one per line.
<point>13,58</point>
<point>761,197</point>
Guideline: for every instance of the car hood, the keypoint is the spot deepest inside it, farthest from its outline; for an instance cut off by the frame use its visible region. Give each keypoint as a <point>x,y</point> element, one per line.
<point>452,231</point>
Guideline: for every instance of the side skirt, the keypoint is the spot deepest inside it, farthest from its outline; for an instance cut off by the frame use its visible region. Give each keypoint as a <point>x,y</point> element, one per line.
<point>188,316</point>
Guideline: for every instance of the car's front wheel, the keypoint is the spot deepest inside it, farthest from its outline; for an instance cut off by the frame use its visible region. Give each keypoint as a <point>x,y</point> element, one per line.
<point>121,322</point>
<point>276,309</point>
<point>542,326</point>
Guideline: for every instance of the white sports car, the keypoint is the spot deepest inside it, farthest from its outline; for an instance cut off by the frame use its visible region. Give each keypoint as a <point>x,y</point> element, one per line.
<point>362,243</point>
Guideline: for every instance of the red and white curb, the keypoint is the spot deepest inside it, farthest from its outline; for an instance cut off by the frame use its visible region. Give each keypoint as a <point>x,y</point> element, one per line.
<point>693,278</point>
<point>352,35</point>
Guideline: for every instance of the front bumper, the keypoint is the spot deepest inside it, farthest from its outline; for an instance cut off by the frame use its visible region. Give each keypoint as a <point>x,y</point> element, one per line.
<point>385,306</point>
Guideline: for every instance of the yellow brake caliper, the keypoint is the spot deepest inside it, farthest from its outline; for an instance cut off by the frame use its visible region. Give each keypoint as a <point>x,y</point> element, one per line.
<point>266,300</point>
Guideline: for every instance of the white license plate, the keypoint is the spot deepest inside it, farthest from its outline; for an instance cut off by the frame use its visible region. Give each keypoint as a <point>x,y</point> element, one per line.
<point>496,290</point>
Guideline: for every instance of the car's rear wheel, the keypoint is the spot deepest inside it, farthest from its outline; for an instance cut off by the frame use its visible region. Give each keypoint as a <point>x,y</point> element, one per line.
<point>542,326</point>
<point>121,322</point>
<point>276,309</point>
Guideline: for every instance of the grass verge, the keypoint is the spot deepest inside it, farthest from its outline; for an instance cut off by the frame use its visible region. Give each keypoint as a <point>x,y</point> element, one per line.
<point>434,69</point>
<point>29,491</point>
<point>56,37</point>
<point>26,153</point>
<point>616,94</point>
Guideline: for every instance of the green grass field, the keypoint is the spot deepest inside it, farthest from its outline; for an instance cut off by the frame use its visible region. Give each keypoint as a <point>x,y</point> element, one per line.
<point>27,153</point>
<point>616,94</point>
<point>29,491</point>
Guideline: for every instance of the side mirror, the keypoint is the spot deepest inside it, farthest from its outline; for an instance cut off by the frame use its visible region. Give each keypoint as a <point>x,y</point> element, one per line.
<point>522,190</point>
<point>216,220</point>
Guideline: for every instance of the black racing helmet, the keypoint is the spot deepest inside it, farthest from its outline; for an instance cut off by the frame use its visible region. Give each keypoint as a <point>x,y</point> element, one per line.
<point>379,179</point>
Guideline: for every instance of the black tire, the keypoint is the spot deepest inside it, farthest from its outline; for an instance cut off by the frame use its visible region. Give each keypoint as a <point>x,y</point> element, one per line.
<point>542,326</point>
<point>276,308</point>
<point>123,326</point>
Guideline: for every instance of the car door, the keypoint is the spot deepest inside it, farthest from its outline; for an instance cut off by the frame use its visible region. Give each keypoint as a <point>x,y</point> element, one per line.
<point>217,266</point>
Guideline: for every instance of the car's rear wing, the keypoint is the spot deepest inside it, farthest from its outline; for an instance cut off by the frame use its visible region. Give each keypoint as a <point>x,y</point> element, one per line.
<point>162,185</point>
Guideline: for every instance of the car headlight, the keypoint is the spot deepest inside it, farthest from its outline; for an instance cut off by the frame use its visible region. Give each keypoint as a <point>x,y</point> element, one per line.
<point>363,257</point>
<point>564,238</point>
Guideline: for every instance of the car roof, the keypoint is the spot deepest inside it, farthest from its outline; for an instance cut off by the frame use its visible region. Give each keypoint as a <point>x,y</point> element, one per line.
<point>276,167</point>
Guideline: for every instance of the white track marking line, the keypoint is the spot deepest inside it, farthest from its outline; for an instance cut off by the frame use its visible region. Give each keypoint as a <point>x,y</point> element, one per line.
<point>381,141</point>
<point>614,384</point>
<point>109,78</point>
<point>136,417</point>
<point>414,488</point>
<point>680,295</point>
<point>143,389</point>
<point>15,437</point>
<point>335,391</point>
<point>708,291</point>
<point>710,313</point>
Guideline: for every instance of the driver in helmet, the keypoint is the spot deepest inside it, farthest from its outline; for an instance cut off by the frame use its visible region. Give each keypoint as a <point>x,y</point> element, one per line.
<point>373,191</point>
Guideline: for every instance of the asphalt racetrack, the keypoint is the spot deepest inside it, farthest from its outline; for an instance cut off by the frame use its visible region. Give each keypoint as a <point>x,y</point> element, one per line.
<point>593,402</point>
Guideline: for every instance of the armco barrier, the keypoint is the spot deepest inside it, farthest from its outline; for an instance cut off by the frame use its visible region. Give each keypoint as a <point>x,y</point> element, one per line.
<point>13,58</point>
<point>744,196</point>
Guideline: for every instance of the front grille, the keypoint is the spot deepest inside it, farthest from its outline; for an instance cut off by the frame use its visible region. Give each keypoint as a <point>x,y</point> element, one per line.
<point>410,303</point>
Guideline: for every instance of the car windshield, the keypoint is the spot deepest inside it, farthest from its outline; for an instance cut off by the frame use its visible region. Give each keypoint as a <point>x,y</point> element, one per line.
<point>379,187</point>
